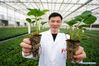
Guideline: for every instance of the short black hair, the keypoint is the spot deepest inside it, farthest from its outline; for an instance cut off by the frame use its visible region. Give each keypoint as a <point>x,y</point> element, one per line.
<point>54,14</point>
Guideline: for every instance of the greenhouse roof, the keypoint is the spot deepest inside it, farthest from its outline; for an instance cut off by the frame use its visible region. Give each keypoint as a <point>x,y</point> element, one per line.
<point>68,8</point>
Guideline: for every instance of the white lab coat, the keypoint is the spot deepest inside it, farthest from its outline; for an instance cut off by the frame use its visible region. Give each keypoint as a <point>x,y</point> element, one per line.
<point>52,53</point>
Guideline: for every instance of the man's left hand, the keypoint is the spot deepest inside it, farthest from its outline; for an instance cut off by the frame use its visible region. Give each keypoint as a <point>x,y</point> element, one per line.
<point>79,54</point>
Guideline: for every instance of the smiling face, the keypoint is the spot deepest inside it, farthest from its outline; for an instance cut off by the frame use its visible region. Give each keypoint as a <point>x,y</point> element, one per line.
<point>55,23</point>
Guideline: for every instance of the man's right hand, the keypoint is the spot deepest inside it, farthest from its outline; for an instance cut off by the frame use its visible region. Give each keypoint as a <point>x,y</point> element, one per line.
<point>26,46</point>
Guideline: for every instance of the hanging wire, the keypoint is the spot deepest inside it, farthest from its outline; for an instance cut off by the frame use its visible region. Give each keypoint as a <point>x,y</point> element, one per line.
<point>48,7</point>
<point>23,3</point>
<point>51,6</point>
<point>19,11</point>
<point>94,8</point>
<point>54,5</point>
<point>61,5</point>
<point>71,7</point>
<point>35,4</point>
<point>42,4</point>
<point>7,12</point>
<point>47,4</point>
<point>67,4</point>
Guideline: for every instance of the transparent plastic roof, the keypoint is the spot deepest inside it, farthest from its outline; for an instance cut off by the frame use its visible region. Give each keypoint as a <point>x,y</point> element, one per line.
<point>68,8</point>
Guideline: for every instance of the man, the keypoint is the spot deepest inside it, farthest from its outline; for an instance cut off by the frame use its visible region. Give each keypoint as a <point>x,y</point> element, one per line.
<point>53,45</point>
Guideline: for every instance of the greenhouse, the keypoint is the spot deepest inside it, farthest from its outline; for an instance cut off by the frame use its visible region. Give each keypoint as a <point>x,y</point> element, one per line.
<point>21,19</point>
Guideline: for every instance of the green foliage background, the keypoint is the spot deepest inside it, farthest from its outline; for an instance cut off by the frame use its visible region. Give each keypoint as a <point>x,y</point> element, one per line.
<point>10,51</point>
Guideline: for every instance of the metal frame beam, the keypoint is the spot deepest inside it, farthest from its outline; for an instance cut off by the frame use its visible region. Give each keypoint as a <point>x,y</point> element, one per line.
<point>42,4</point>
<point>19,11</point>
<point>48,2</point>
<point>71,7</point>
<point>61,5</point>
<point>78,8</point>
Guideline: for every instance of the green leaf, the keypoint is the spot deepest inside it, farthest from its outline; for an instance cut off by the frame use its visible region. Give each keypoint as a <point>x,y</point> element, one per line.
<point>81,26</point>
<point>90,20</point>
<point>36,12</point>
<point>28,20</point>
<point>29,8</point>
<point>43,23</point>
<point>71,22</point>
<point>32,12</point>
<point>45,10</point>
<point>33,21</point>
<point>86,14</point>
<point>39,19</point>
<point>78,18</point>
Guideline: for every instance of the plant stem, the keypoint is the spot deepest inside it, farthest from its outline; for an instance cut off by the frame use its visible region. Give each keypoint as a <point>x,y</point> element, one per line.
<point>37,26</point>
<point>29,28</point>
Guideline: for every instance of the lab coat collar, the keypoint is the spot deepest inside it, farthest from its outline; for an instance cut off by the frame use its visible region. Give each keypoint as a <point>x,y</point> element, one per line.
<point>51,33</point>
<point>51,37</point>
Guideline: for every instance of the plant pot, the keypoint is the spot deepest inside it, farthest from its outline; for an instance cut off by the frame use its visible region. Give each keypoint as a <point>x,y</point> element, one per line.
<point>72,47</point>
<point>35,41</point>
